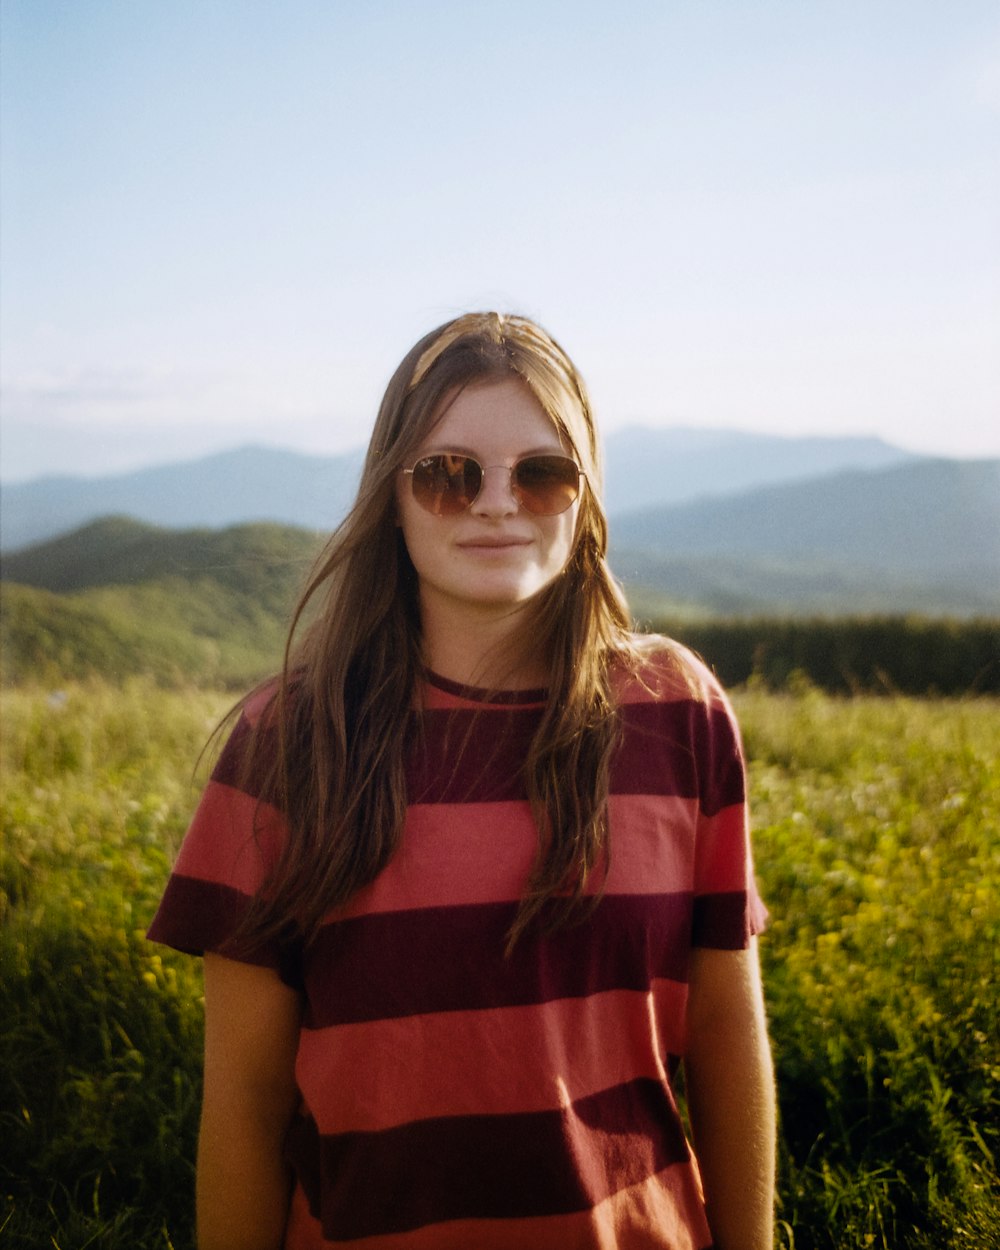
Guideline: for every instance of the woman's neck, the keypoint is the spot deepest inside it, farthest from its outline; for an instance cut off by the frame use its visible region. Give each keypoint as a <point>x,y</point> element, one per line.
<point>488,653</point>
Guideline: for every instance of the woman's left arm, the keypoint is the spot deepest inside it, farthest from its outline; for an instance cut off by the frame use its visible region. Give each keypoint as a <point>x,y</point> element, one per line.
<point>730,1091</point>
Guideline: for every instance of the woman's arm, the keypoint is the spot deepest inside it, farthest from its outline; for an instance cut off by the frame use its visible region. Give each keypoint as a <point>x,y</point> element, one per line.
<point>730,1091</point>
<point>251,1037</point>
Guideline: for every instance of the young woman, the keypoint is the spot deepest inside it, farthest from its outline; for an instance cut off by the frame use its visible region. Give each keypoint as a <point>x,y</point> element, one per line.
<point>472,877</point>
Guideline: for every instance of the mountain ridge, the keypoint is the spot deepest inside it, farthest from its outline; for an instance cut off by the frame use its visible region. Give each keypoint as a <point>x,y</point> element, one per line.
<point>257,483</point>
<point>921,537</point>
<point>934,513</point>
<point>266,559</point>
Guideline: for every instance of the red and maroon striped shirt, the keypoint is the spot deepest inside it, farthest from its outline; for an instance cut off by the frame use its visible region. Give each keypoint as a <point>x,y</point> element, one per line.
<point>453,1096</point>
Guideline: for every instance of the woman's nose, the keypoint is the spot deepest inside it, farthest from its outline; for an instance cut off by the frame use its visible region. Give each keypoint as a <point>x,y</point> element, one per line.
<point>496,495</point>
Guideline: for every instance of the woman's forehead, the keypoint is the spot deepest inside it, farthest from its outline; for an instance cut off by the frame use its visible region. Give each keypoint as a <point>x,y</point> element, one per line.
<point>494,411</point>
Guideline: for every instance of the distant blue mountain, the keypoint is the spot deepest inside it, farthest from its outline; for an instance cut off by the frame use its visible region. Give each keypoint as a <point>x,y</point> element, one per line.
<point>921,537</point>
<point>227,488</point>
<point>645,467</point>
<point>917,537</point>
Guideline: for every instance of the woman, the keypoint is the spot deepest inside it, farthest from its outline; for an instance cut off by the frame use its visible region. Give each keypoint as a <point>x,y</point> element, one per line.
<point>472,876</point>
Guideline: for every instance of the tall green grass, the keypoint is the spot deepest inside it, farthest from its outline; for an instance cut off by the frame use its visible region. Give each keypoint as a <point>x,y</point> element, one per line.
<point>100,1044</point>
<point>878,853</point>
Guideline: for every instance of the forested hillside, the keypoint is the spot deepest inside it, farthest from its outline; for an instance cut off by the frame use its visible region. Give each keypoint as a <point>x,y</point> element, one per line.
<point>211,608</point>
<point>118,599</point>
<point>921,537</point>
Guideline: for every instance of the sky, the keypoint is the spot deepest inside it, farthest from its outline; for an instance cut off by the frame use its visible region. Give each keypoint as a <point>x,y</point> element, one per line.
<point>226,221</point>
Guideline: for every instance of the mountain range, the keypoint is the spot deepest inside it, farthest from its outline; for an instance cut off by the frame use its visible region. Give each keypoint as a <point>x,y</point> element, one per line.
<point>920,537</point>
<point>644,468</point>
<point>702,524</point>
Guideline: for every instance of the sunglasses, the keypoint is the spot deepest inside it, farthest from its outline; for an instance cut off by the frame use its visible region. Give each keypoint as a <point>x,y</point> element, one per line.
<point>446,484</point>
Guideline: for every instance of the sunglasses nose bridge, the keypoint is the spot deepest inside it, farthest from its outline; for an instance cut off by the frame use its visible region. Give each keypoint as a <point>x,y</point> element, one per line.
<point>503,493</point>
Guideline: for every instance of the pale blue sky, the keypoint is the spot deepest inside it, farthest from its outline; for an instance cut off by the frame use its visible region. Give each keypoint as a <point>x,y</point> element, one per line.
<point>226,220</point>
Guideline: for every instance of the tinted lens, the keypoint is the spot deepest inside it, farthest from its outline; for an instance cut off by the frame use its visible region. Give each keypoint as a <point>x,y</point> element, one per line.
<point>546,485</point>
<point>446,484</point>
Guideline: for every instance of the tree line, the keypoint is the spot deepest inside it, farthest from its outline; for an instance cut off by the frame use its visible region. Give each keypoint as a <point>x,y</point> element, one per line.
<point>890,655</point>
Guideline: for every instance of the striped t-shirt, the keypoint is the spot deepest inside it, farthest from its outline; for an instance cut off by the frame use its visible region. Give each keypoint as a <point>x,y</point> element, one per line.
<point>455,1096</point>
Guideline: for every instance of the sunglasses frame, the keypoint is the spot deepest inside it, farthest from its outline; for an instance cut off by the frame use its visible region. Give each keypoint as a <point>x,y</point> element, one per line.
<point>517,492</point>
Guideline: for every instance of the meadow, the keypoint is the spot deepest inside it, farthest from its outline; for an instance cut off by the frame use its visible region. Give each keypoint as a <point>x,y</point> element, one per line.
<point>878,851</point>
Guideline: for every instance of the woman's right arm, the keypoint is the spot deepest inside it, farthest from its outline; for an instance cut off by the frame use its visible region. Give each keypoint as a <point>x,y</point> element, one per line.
<point>251,1037</point>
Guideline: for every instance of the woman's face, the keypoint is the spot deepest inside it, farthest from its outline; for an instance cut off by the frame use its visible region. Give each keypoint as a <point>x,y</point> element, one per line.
<point>496,555</point>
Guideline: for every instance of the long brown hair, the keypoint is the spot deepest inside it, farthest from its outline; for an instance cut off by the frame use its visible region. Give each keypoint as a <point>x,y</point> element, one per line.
<point>330,751</point>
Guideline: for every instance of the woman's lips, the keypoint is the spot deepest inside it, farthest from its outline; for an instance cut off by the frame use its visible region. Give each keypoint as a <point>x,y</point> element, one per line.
<point>493,544</point>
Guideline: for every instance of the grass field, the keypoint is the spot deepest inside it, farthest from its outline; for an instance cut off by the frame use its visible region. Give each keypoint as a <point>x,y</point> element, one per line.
<point>878,851</point>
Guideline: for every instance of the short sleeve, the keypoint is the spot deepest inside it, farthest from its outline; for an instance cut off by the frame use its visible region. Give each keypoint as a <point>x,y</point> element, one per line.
<point>728,909</point>
<point>227,853</point>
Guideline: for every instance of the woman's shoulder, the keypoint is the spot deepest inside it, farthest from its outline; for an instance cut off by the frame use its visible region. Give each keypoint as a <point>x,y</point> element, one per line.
<point>250,730</point>
<point>261,704</point>
<point>659,669</point>
<point>281,698</point>
<point>253,737</point>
